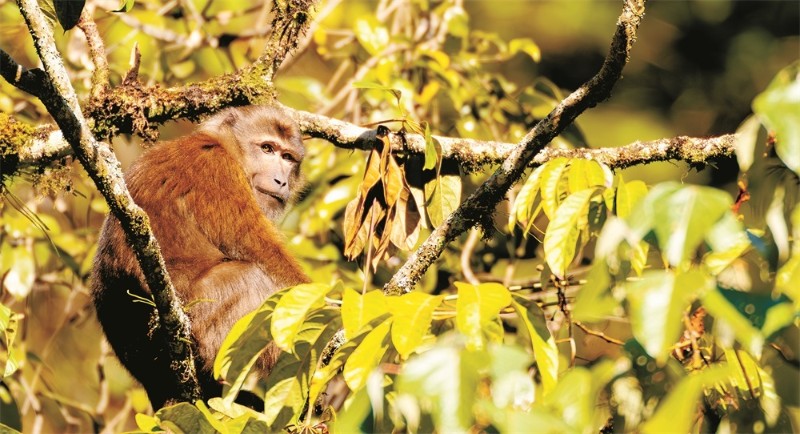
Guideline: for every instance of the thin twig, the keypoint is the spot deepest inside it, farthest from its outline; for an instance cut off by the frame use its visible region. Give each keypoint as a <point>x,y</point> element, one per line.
<point>600,335</point>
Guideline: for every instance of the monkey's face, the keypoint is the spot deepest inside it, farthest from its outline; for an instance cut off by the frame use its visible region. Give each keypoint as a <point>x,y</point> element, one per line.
<point>273,169</point>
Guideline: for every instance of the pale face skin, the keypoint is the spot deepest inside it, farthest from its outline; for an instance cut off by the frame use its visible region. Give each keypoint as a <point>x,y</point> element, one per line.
<point>273,165</point>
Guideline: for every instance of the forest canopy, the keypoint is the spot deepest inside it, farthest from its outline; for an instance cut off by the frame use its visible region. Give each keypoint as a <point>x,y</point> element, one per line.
<point>516,216</point>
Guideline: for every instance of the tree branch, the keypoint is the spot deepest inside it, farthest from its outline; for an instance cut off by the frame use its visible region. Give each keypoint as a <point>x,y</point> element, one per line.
<point>97,51</point>
<point>57,94</point>
<point>478,207</point>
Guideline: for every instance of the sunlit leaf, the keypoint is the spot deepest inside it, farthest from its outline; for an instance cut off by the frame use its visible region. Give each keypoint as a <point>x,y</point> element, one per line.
<point>372,35</point>
<point>125,6</point>
<point>342,354</point>
<point>677,412</point>
<point>725,312</point>
<point>777,223</point>
<point>524,201</point>
<point>745,143</point>
<point>779,108</point>
<point>595,301</point>
<point>242,346</point>
<point>561,237</point>
<point>680,216</point>
<point>628,195</point>
<point>457,21</point>
<point>412,315</point>
<point>366,356</point>
<point>146,423</point>
<point>544,345</point>
<point>292,309</point>
<point>476,306</point>
<point>18,270</point>
<point>287,383</point>
<point>585,174</point>
<point>9,357</point>
<point>444,380</point>
<point>551,185</point>
<point>433,150</point>
<point>744,372</point>
<point>184,418</point>
<point>728,241</point>
<point>657,304</point>
<point>443,196</point>
<point>526,46</point>
<point>358,309</point>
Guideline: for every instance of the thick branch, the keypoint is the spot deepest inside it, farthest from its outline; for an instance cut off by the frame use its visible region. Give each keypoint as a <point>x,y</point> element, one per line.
<point>58,95</point>
<point>480,205</point>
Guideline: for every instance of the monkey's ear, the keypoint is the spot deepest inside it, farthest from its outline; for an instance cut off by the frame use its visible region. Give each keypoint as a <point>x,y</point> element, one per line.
<point>223,120</point>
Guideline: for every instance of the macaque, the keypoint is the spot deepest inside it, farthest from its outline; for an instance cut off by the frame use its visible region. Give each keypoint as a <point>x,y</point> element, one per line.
<point>212,198</point>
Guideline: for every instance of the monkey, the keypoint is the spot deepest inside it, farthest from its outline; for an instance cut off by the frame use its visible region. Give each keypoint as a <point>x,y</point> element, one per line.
<point>212,198</point>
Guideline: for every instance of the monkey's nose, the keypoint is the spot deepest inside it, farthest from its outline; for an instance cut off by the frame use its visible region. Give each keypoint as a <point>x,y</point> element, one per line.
<point>281,183</point>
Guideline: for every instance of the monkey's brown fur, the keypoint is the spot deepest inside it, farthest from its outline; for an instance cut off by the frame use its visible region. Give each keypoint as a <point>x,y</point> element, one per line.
<point>208,196</point>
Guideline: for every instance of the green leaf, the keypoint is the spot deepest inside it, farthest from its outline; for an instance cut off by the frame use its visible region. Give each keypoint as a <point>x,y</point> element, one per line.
<point>412,315</point>
<point>476,307</point>
<point>526,46</point>
<point>551,187</point>
<point>787,278</point>
<point>18,270</point>
<point>444,380</point>
<point>728,241</point>
<point>342,354</point>
<point>744,372</point>
<point>585,174</point>
<point>726,313</point>
<point>628,195</point>
<point>594,301</point>
<point>562,233</point>
<point>677,412</point>
<point>523,203</point>
<point>680,216</point>
<point>292,309</point>
<point>457,21</point>
<point>184,418</point>
<point>125,6</point>
<point>657,304</point>
<point>287,383</point>
<point>373,36</point>
<point>745,143</point>
<point>433,150</point>
<point>242,346</point>
<point>443,195</point>
<point>779,109</point>
<point>544,345</point>
<point>68,12</point>
<point>146,423</point>
<point>512,385</point>
<point>366,357</point>
<point>9,357</point>
<point>358,310</point>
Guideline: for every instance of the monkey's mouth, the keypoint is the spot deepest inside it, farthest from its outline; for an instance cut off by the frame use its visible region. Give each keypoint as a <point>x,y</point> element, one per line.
<point>281,200</point>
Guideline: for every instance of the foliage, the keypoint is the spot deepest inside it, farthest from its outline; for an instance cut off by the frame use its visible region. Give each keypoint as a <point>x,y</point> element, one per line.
<point>697,292</point>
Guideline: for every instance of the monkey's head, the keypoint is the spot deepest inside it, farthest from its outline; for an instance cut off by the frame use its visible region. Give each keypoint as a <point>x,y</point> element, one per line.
<point>269,147</point>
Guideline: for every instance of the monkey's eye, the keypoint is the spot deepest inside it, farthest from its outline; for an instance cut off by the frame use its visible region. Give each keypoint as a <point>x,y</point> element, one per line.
<point>288,157</point>
<point>268,148</point>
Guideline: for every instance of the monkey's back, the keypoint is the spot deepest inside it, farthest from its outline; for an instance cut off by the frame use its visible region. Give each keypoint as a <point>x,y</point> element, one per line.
<point>160,182</point>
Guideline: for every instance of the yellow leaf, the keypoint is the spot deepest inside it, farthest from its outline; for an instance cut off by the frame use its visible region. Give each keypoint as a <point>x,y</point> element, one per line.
<point>412,314</point>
